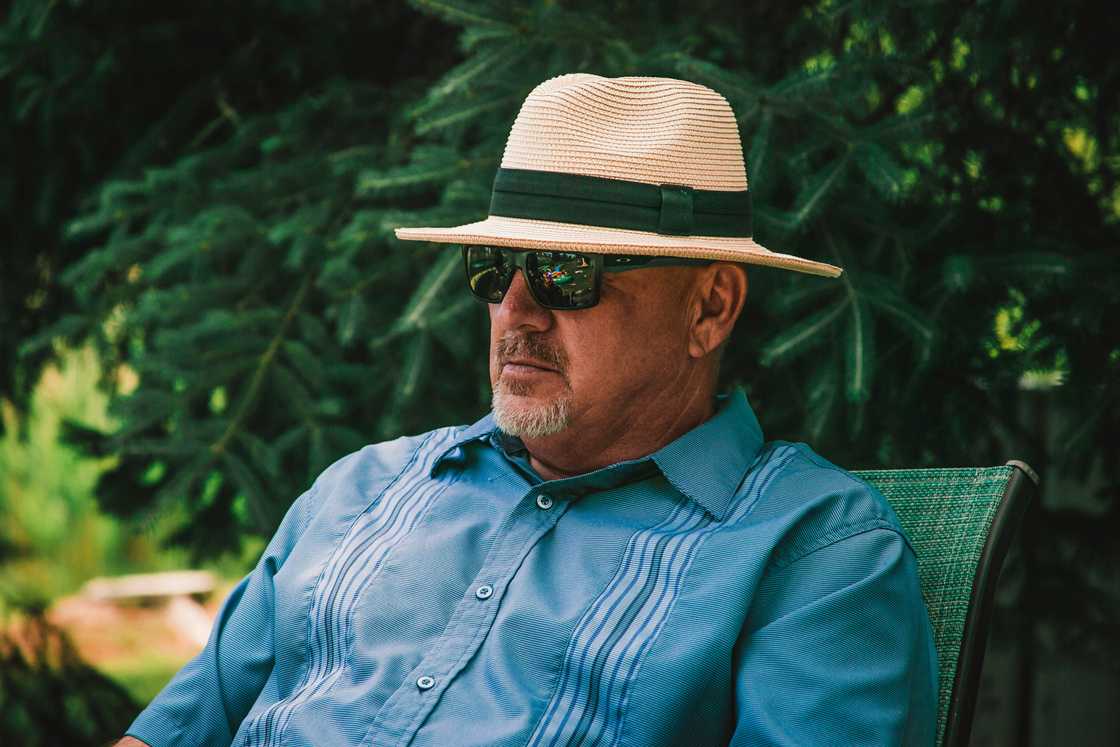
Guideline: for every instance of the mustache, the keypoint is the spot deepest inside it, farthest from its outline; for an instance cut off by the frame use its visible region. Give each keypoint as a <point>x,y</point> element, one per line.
<point>520,345</point>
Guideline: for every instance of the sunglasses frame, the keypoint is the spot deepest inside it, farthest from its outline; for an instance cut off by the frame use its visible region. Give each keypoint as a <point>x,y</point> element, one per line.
<point>600,263</point>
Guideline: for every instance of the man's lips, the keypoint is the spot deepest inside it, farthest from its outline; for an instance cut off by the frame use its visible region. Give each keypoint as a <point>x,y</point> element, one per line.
<point>526,365</point>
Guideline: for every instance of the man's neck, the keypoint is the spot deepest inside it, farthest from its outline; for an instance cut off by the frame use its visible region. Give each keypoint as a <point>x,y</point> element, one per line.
<point>645,426</point>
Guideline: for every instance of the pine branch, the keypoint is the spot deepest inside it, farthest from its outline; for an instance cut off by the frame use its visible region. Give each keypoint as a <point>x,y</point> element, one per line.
<point>249,399</point>
<point>759,157</point>
<point>797,294</point>
<point>463,113</point>
<point>859,338</point>
<point>800,337</point>
<point>884,174</point>
<point>417,313</point>
<point>413,369</point>
<point>859,349</point>
<point>883,296</point>
<point>812,197</point>
<point>737,86</point>
<point>1030,264</point>
<point>821,400</point>
<point>251,487</point>
<point>463,77</point>
<point>429,168</point>
<point>474,36</point>
<point>463,13</point>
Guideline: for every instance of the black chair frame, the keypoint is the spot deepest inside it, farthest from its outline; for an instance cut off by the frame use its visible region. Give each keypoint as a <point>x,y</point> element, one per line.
<point>1021,488</point>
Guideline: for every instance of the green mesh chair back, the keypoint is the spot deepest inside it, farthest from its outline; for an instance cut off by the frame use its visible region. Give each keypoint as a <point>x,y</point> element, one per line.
<point>960,522</point>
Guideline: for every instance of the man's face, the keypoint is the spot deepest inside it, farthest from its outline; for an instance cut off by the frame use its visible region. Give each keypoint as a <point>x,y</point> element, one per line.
<point>553,369</point>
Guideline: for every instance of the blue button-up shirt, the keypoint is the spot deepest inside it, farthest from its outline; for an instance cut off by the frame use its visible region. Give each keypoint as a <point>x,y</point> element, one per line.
<point>434,591</point>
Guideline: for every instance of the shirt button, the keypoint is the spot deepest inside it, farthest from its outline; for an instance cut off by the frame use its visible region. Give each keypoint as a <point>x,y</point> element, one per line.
<point>484,592</point>
<point>544,501</point>
<point>425,682</point>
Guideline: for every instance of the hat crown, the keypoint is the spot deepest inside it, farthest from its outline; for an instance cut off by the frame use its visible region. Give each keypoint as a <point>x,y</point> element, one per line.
<point>652,130</point>
<point>649,166</point>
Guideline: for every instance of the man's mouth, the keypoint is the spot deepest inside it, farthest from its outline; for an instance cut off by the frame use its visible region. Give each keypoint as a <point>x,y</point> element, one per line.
<point>528,361</point>
<point>526,365</point>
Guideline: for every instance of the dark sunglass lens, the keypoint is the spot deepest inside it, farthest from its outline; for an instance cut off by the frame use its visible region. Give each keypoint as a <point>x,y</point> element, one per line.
<point>489,271</point>
<point>563,280</point>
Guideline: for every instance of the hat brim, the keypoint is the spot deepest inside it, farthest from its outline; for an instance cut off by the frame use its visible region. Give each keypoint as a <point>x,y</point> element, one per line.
<point>539,234</point>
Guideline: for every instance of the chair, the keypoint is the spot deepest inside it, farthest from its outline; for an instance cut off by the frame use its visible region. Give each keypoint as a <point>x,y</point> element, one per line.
<point>960,522</point>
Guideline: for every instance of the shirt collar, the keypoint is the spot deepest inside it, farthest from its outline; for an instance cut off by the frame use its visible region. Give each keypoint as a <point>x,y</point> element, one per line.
<point>479,430</point>
<point>706,465</point>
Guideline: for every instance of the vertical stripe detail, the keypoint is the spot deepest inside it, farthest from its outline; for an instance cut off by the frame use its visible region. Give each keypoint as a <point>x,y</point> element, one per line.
<point>621,625</point>
<point>351,568</point>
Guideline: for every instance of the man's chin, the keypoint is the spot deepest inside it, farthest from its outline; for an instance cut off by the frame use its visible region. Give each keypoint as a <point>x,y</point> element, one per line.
<point>530,414</point>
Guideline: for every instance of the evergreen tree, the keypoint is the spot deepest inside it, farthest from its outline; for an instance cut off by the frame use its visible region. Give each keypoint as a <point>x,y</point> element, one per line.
<point>96,96</point>
<point>93,92</point>
<point>957,159</point>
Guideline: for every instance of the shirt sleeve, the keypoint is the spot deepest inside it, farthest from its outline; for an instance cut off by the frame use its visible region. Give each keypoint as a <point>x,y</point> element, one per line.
<point>838,649</point>
<point>206,700</point>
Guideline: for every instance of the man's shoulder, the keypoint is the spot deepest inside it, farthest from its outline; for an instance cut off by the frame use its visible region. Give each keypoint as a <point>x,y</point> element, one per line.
<point>352,482</point>
<point>809,502</point>
<point>389,458</point>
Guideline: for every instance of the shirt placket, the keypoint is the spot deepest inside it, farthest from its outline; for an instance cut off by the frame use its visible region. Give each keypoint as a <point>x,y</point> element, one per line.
<point>406,710</point>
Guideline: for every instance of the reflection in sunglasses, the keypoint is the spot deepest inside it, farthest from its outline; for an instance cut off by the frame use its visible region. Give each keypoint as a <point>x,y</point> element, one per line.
<point>556,276</point>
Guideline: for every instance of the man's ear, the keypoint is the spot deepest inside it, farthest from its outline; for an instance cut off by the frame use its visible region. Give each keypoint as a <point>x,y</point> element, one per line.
<point>721,291</point>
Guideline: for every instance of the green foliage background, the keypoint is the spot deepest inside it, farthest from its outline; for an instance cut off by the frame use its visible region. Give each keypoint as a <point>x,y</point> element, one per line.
<point>52,534</point>
<point>209,194</point>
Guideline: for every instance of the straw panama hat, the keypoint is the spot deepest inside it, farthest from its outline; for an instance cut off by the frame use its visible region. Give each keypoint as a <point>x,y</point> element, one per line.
<point>648,166</point>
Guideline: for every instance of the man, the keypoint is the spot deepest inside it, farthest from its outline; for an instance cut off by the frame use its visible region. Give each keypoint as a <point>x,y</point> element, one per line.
<point>612,556</point>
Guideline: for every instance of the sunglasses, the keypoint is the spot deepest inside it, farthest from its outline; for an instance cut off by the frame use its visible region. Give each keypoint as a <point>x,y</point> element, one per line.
<point>556,280</point>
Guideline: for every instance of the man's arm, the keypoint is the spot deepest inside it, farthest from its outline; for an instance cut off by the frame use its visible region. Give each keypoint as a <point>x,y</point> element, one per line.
<point>838,650</point>
<point>207,699</point>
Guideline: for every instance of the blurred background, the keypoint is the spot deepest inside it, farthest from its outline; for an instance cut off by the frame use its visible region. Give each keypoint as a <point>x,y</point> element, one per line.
<point>202,305</point>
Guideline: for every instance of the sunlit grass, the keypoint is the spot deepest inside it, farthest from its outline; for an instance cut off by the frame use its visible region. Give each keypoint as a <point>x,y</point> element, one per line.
<point>55,536</point>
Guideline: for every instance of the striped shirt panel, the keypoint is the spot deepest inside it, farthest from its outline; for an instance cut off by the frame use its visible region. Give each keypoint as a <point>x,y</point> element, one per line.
<point>623,622</point>
<point>351,569</point>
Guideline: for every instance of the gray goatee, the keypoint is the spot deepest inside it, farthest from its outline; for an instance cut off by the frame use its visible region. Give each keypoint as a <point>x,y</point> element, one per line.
<point>512,412</point>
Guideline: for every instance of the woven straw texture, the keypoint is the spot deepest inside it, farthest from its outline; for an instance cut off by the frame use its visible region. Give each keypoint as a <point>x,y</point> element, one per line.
<point>650,130</point>
<point>947,514</point>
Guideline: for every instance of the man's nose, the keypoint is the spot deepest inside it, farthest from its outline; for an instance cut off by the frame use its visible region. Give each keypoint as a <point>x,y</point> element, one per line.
<point>519,309</point>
